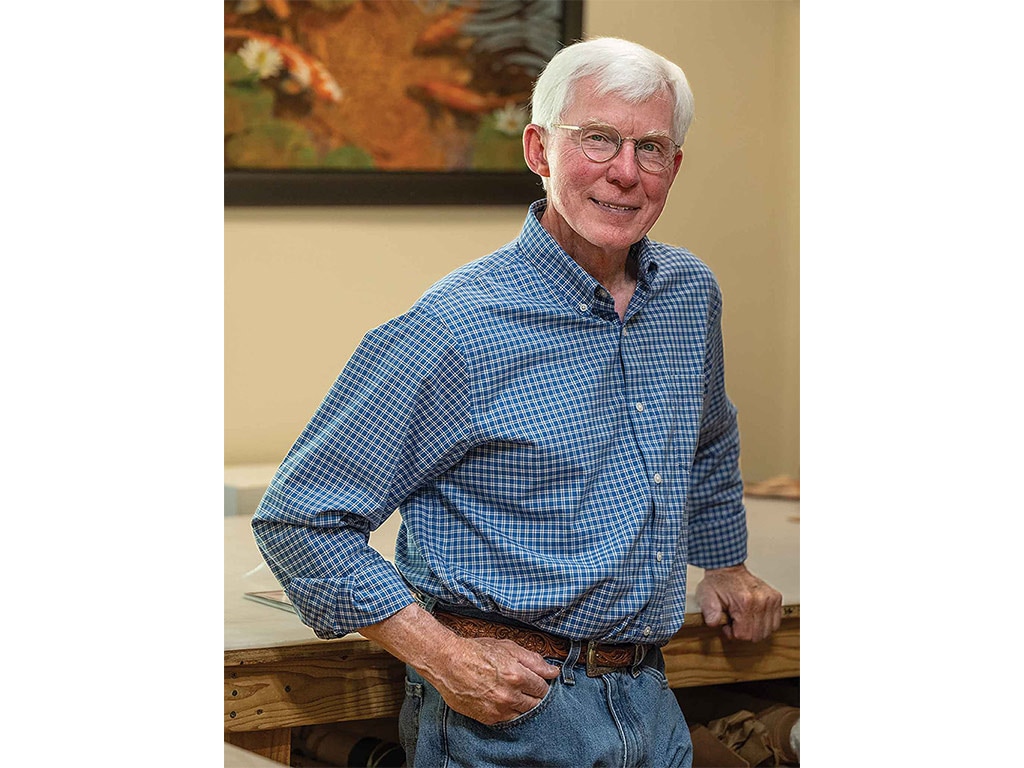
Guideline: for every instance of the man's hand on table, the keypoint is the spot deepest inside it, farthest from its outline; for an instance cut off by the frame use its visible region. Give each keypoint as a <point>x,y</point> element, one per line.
<point>748,608</point>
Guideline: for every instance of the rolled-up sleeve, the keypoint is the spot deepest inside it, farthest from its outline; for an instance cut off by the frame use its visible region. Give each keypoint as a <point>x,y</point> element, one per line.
<point>398,415</point>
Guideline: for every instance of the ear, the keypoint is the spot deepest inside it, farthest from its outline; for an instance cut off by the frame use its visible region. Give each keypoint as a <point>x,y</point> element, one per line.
<point>676,165</point>
<point>535,151</point>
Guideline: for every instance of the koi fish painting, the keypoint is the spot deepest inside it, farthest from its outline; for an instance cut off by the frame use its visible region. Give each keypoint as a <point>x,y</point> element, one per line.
<point>375,101</point>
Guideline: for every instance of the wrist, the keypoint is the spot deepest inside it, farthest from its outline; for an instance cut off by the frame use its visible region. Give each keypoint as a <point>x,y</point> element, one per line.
<point>414,636</point>
<point>738,568</point>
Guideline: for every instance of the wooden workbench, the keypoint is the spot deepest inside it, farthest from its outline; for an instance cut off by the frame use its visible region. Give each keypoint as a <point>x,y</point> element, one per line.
<point>279,675</point>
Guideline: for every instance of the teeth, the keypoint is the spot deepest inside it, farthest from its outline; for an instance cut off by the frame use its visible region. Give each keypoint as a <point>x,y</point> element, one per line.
<point>616,207</point>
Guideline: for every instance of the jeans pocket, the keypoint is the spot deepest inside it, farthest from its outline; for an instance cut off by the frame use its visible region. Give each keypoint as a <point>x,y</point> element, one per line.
<point>656,674</point>
<point>530,714</point>
<point>409,719</point>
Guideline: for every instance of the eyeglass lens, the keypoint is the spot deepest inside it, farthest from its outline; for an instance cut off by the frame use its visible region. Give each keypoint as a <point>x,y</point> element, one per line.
<point>602,142</point>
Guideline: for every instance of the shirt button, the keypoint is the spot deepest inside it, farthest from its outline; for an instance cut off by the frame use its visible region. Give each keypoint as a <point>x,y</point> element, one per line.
<point>583,307</point>
<point>640,407</point>
<point>660,557</point>
<point>647,631</point>
<point>657,477</point>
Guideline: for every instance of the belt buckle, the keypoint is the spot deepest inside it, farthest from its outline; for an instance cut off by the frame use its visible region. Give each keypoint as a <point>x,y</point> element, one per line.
<point>596,670</point>
<point>593,668</point>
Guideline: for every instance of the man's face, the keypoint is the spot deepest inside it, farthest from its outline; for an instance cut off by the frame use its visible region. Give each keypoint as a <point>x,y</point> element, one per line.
<point>605,206</point>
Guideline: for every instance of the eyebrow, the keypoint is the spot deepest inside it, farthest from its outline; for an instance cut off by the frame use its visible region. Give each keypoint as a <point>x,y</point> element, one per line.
<point>592,121</point>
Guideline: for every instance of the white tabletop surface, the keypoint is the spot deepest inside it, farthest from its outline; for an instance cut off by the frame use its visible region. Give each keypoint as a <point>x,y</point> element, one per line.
<point>236,757</point>
<point>773,553</point>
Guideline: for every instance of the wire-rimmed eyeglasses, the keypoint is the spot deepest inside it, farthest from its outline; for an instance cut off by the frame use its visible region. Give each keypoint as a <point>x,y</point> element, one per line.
<point>600,143</point>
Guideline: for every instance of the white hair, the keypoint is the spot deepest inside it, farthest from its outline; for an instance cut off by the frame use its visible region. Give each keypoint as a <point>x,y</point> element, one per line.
<point>620,68</point>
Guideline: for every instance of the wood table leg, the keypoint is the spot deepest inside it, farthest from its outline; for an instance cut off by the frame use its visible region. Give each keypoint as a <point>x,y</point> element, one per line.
<point>275,744</point>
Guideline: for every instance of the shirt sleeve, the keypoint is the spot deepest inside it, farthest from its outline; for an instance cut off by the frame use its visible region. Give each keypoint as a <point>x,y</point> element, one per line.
<point>396,416</point>
<point>718,521</point>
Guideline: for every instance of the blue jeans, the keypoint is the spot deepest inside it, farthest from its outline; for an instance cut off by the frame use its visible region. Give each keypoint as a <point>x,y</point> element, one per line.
<point>626,719</point>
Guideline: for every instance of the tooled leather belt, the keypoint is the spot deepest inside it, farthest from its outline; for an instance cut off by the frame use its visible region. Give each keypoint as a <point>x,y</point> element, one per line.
<point>599,658</point>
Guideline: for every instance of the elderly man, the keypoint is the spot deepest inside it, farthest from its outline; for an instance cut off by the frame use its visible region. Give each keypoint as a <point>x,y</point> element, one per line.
<point>552,422</point>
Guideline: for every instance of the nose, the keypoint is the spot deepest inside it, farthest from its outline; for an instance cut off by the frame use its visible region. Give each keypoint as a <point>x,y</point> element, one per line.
<point>623,169</point>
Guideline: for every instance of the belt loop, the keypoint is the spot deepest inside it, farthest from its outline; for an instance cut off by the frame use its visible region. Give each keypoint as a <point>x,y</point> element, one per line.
<point>639,654</point>
<point>570,661</point>
<point>426,601</point>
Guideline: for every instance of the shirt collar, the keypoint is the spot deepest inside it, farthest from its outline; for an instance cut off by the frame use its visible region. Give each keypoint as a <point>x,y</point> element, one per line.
<point>551,260</point>
<point>643,253</point>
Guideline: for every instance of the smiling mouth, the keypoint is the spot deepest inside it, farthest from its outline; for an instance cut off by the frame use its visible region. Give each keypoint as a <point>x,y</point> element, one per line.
<point>611,207</point>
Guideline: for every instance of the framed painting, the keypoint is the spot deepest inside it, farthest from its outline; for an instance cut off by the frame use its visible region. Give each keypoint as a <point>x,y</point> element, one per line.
<point>405,102</point>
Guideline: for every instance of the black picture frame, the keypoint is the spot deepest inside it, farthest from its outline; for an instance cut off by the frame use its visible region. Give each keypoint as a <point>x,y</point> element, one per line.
<point>374,187</point>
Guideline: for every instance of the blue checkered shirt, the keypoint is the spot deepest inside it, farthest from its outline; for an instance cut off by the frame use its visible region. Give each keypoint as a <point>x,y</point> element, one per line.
<point>550,462</point>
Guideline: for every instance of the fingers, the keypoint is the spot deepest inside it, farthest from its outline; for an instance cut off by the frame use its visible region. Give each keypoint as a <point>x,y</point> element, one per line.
<point>748,627</point>
<point>534,686</point>
<point>538,665</point>
<point>501,709</point>
<point>532,661</point>
<point>715,617</point>
<point>758,619</point>
<point>712,610</point>
<point>495,680</point>
<point>529,702</point>
<point>749,608</point>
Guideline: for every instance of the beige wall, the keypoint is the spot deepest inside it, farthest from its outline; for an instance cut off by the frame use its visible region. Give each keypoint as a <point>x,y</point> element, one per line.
<point>302,285</point>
